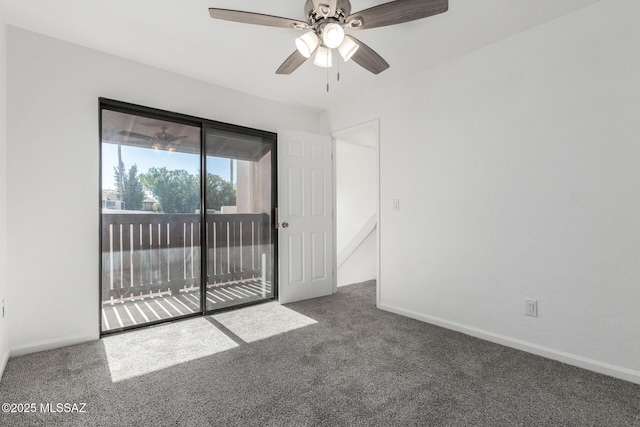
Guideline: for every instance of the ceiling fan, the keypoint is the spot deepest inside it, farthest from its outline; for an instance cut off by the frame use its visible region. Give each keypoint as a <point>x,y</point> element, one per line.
<point>161,140</point>
<point>326,21</point>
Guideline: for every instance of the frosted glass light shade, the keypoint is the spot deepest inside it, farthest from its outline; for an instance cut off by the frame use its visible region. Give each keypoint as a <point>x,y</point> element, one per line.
<point>323,57</point>
<point>332,35</point>
<point>348,48</point>
<point>307,43</point>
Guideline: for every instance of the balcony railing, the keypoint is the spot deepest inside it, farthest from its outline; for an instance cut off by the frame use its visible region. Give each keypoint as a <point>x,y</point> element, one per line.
<point>151,254</point>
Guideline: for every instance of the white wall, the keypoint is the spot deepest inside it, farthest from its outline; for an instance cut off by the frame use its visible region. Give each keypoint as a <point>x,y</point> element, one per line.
<point>517,170</point>
<point>53,198</point>
<point>356,203</point>
<point>4,332</point>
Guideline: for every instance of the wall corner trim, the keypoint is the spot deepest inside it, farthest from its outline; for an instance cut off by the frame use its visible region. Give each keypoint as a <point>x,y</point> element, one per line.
<point>550,353</point>
<point>4,358</point>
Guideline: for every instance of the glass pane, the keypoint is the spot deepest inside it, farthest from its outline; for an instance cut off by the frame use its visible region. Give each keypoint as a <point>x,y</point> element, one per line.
<point>239,203</point>
<point>150,220</point>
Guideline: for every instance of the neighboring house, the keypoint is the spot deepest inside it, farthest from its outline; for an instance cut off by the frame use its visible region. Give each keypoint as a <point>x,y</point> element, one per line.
<point>110,200</point>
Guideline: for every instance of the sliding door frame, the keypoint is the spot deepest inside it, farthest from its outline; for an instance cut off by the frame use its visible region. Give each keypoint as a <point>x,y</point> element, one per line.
<point>202,124</point>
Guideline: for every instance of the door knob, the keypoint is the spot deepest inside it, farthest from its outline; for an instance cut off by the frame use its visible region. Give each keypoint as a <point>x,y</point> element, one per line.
<point>285,224</point>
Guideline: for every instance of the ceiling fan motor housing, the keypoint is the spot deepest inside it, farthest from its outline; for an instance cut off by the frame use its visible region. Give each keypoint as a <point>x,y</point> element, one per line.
<point>343,9</point>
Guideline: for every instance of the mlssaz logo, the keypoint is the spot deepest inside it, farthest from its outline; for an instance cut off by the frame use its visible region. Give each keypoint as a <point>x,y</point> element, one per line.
<point>63,407</point>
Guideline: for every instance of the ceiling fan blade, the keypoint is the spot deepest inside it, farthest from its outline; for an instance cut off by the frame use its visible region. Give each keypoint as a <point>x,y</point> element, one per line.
<point>367,58</point>
<point>396,12</point>
<point>256,18</point>
<point>295,60</point>
<point>137,135</point>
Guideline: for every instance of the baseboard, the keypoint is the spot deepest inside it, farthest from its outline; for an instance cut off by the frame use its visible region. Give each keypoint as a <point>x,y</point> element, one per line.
<point>50,344</point>
<point>550,353</point>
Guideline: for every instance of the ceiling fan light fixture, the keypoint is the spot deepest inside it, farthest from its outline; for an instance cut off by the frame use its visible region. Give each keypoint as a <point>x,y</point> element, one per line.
<point>327,20</point>
<point>307,43</point>
<point>347,49</point>
<point>332,35</point>
<point>323,57</point>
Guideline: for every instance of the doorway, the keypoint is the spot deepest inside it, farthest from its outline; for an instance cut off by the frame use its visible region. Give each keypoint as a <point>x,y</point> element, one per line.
<point>187,216</point>
<point>357,203</point>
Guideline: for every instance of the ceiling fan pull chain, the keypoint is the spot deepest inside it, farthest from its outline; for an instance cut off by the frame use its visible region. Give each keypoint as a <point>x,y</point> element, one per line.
<point>327,79</point>
<point>338,67</point>
<point>328,70</point>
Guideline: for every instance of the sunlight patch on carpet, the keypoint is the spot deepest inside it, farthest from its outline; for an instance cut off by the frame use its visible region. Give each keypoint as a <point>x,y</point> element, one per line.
<point>263,321</point>
<point>153,349</point>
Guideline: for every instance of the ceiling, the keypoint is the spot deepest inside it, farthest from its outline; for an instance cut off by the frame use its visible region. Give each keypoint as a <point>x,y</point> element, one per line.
<point>179,36</point>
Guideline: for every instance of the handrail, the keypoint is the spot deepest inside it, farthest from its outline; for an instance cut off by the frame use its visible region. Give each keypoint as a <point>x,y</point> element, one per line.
<point>358,239</point>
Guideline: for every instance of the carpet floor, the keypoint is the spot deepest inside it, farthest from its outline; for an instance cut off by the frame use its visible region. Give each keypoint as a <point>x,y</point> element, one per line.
<point>330,361</point>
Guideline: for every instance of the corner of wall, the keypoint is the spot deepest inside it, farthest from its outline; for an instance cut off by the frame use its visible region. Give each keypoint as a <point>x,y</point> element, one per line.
<point>4,330</point>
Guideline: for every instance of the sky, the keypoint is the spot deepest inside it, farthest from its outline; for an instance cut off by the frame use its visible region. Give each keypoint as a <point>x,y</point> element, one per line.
<point>145,159</point>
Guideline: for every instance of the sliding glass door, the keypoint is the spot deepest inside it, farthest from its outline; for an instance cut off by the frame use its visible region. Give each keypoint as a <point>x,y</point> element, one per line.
<point>239,239</point>
<point>162,255</point>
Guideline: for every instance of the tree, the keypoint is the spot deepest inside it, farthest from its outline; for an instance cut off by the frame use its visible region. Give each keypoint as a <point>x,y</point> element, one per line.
<point>177,191</point>
<point>131,187</point>
<point>219,192</point>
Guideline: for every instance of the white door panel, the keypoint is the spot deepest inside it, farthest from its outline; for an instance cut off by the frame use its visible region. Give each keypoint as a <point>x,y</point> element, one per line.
<point>305,203</point>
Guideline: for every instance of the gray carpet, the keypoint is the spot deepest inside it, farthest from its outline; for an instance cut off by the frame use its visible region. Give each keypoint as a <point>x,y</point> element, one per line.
<point>331,361</point>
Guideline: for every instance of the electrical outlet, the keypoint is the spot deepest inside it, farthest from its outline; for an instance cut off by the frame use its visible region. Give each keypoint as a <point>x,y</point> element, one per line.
<point>531,307</point>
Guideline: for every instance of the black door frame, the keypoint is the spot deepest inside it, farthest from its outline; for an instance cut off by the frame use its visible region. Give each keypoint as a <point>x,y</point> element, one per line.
<point>202,124</point>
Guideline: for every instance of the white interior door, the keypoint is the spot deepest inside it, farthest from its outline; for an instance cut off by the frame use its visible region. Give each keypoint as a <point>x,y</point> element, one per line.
<point>305,204</point>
